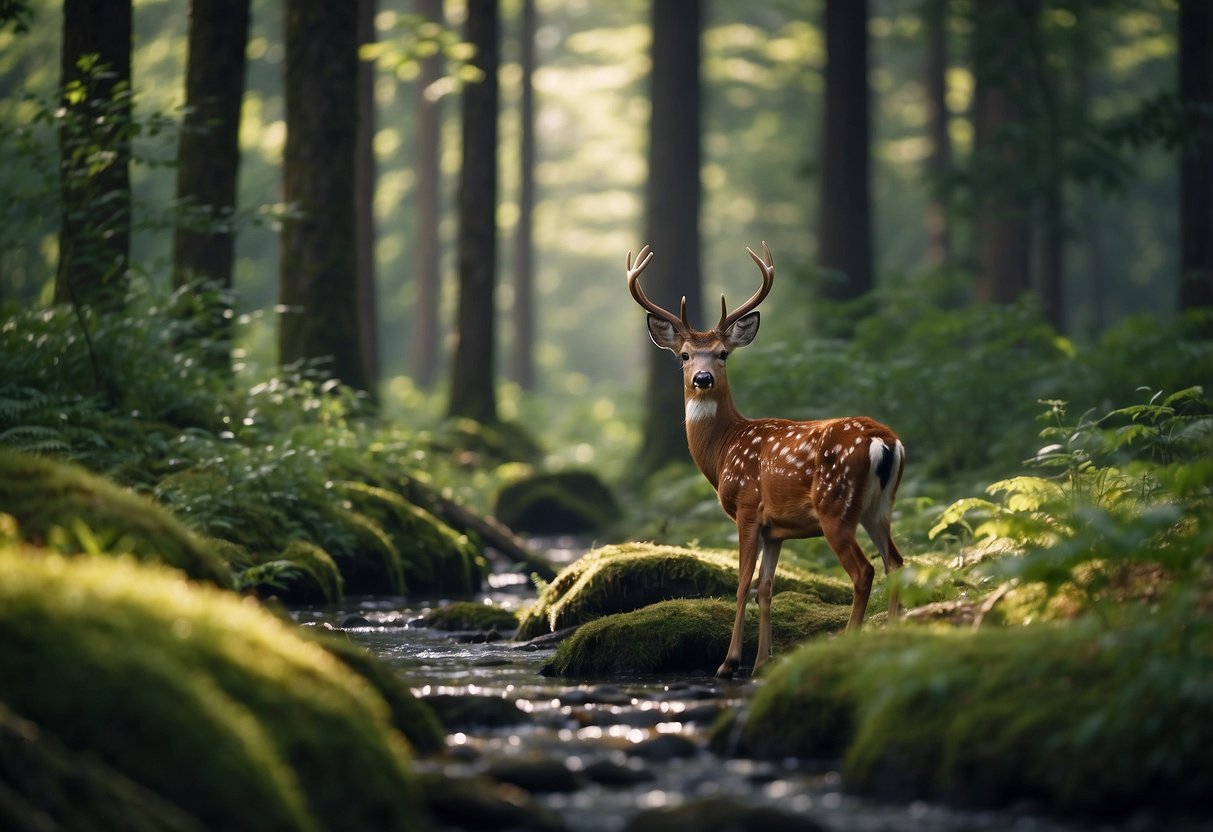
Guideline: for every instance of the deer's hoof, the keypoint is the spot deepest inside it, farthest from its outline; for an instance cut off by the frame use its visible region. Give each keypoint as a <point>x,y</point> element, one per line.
<point>728,669</point>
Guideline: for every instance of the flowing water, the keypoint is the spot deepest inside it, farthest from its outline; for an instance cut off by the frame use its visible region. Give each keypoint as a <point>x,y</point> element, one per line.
<point>624,746</point>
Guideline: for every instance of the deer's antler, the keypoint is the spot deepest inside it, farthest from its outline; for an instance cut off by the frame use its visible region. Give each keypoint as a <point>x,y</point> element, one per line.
<point>642,263</point>
<point>768,279</point>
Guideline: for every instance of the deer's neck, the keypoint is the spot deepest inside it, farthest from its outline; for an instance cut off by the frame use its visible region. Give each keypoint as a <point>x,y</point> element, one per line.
<point>712,421</point>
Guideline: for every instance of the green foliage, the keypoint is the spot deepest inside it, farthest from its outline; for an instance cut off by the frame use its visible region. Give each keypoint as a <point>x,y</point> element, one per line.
<point>1129,489</point>
<point>1078,718</point>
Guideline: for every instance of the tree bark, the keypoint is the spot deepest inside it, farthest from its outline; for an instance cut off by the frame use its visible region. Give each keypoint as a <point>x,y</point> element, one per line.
<point>1196,164</point>
<point>208,158</point>
<point>672,198</point>
<point>364,198</point>
<point>844,223</point>
<point>522,368</point>
<point>95,229</point>
<point>473,388</point>
<point>318,284</point>
<point>939,162</point>
<point>1001,230</point>
<point>423,341</point>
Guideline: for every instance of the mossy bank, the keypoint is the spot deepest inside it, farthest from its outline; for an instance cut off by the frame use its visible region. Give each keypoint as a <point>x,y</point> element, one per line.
<point>189,702</point>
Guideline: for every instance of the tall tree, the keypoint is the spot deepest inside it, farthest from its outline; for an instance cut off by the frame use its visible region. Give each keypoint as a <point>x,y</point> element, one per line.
<point>522,367</point>
<point>208,156</point>
<point>317,283</point>
<point>939,162</point>
<point>672,200</point>
<point>845,214</point>
<point>1196,164</point>
<point>473,388</point>
<point>423,341</point>
<point>95,153</point>
<point>364,197</point>
<point>1001,228</point>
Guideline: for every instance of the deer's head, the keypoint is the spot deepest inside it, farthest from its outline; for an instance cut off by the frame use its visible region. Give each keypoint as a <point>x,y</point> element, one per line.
<point>703,353</point>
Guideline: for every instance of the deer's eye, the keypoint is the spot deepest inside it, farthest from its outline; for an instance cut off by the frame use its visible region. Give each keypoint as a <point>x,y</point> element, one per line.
<point>686,356</point>
<point>724,354</point>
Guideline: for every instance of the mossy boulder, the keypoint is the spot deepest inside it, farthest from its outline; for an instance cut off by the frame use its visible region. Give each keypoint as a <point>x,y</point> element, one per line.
<point>687,635</point>
<point>1078,718</point>
<point>469,615</point>
<point>420,553</point>
<point>562,502</point>
<point>629,576</point>
<point>62,506</point>
<point>198,696</point>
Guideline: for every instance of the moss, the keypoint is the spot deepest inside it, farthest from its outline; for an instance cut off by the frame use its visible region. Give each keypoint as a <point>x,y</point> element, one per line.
<point>633,575</point>
<point>410,715</point>
<point>469,615</point>
<point>1082,719</point>
<point>687,635</point>
<point>197,695</point>
<point>63,505</point>
<point>555,503</point>
<point>44,786</point>
<point>434,557</point>
<point>319,580</point>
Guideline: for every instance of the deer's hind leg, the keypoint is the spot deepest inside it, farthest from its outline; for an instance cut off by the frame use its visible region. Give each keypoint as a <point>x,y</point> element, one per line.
<point>840,534</point>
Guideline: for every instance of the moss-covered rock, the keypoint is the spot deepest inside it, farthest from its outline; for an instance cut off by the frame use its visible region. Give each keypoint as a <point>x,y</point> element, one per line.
<point>198,696</point>
<point>469,615</point>
<point>47,787</point>
<point>433,557</point>
<point>562,502</point>
<point>64,507</point>
<point>475,444</point>
<point>687,635</point>
<point>1080,718</point>
<point>633,575</point>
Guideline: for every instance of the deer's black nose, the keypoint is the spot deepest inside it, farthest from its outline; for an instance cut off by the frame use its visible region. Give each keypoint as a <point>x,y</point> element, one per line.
<point>702,380</point>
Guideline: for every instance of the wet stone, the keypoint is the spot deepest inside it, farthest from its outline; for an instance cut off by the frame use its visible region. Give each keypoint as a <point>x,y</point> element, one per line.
<point>464,803</point>
<point>354,620</point>
<point>665,747</point>
<point>534,774</point>
<point>701,714</point>
<point>612,772</point>
<point>596,695</point>
<point>719,814</point>
<point>460,711</point>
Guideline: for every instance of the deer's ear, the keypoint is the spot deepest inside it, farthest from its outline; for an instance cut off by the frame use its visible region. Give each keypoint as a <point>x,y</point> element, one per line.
<point>742,332</point>
<point>663,333</point>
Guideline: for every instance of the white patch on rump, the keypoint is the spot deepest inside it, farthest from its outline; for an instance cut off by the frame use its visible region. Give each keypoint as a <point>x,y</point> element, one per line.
<point>698,409</point>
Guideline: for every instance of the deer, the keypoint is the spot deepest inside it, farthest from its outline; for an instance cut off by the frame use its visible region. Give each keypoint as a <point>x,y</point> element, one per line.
<point>778,479</point>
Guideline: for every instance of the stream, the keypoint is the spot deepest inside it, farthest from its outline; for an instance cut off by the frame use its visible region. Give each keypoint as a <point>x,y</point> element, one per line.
<point>596,754</point>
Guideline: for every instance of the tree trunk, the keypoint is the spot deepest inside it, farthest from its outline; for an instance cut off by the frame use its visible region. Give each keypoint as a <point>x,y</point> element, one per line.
<point>318,284</point>
<point>208,156</point>
<point>1196,164</point>
<point>473,389</point>
<point>423,341</point>
<point>844,223</point>
<point>672,198</point>
<point>364,198</point>
<point>1001,234</point>
<point>939,162</point>
<point>523,365</point>
<point>95,231</point>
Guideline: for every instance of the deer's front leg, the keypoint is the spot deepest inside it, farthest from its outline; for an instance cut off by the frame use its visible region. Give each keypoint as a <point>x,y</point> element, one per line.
<point>747,556</point>
<point>766,580</point>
